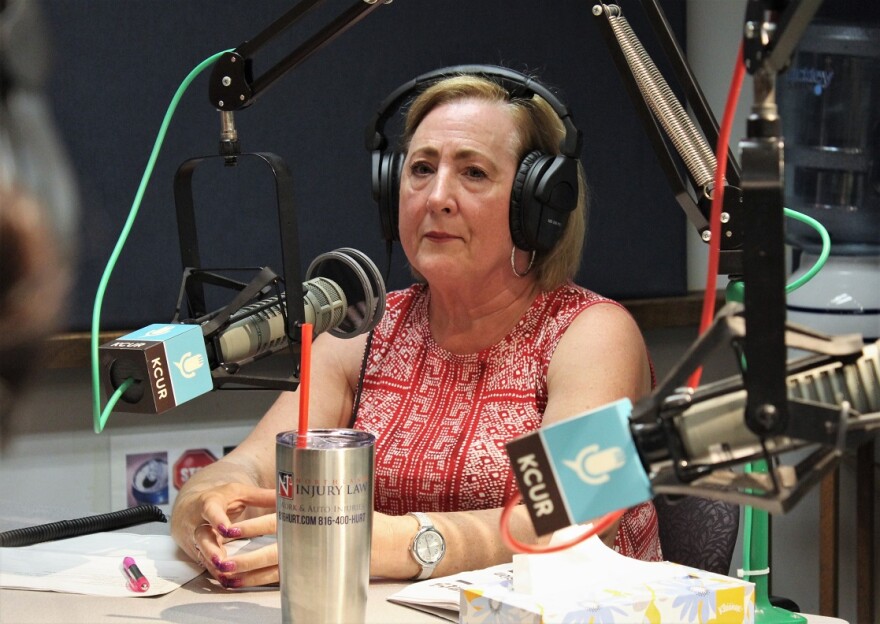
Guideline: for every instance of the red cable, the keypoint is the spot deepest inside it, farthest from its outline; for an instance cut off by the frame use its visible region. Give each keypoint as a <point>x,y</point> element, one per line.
<point>708,312</point>
<point>516,546</point>
<point>717,202</point>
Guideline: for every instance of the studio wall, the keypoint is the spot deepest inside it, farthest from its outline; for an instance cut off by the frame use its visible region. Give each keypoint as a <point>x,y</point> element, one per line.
<point>117,64</point>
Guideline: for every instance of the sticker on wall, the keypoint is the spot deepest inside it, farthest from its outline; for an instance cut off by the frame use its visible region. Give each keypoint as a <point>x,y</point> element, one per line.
<point>150,468</point>
<point>147,479</point>
<point>189,463</point>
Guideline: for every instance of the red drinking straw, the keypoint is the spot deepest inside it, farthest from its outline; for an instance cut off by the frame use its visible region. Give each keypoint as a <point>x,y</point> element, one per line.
<point>304,374</point>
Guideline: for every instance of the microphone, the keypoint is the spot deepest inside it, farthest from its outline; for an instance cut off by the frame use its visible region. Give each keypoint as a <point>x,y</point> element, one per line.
<point>259,329</point>
<point>344,295</point>
<point>833,405</point>
<point>617,456</point>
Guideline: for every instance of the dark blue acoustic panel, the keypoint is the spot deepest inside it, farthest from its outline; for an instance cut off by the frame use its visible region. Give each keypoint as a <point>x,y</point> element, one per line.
<point>118,63</point>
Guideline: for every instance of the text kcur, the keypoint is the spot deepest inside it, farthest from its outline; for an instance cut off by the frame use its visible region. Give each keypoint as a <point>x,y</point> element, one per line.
<point>533,478</point>
<point>159,376</point>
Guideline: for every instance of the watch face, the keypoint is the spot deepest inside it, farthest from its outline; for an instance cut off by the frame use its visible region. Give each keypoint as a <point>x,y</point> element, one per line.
<point>430,546</point>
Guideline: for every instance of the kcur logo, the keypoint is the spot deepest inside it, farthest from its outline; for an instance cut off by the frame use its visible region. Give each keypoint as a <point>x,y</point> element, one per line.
<point>189,364</point>
<point>592,465</point>
<point>159,331</point>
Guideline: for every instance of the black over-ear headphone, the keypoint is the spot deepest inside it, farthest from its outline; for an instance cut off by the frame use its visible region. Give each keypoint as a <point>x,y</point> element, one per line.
<point>545,189</point>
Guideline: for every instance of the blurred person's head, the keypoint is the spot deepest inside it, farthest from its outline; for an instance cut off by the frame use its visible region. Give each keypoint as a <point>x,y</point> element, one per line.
<point>39,199</point>
<point>34,279</point>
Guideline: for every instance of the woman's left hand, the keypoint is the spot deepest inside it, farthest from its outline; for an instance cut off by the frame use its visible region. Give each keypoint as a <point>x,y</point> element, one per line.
<point>218,508</point>
<point>250,568</point>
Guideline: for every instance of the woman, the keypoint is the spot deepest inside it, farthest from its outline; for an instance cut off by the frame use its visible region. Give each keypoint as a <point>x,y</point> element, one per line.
<point>492,343</point>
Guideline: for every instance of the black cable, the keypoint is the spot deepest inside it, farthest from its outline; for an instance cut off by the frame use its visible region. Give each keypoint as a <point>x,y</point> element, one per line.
<point>82,526</point>
<point>389,246</point>
<point>360,386</point>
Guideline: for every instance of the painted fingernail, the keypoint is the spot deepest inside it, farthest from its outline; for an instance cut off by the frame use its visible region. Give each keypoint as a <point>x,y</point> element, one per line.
<point>227,532</point>
<point>223,566</point>
<point>230,583</point>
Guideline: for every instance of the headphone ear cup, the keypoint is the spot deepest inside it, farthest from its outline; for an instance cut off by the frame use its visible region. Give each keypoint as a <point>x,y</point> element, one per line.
<point>545,192</point>
<point>386,190</point>
<point>520,204</point>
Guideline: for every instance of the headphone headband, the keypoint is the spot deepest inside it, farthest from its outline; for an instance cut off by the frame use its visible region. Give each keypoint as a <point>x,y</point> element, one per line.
<point>545,187</point>
<point>524,86</point>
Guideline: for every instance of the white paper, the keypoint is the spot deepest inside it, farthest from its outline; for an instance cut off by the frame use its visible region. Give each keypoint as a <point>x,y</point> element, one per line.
<point>442,596</point>
<point>92,564</point>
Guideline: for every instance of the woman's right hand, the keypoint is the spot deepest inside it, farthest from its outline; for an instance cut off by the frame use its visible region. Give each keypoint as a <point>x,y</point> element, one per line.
<point>203,521</point>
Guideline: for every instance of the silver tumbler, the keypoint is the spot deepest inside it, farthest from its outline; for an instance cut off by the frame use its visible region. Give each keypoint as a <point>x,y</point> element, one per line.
<point>325,520</point>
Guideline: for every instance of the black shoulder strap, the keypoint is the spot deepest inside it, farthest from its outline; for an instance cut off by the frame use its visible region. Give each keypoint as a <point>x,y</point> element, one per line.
<point>360,385</point>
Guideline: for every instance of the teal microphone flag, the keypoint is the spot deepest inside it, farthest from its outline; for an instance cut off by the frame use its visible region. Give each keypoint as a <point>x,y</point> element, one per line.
<point>580,469</point>
<point>169,363</point>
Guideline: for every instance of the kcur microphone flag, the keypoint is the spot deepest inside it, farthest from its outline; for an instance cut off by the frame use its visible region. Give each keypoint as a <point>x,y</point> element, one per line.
<point>169,364</point>
<point>579,469</point>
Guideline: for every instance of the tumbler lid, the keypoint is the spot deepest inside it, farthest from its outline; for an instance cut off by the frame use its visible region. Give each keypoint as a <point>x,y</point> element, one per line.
<point>328,438</point>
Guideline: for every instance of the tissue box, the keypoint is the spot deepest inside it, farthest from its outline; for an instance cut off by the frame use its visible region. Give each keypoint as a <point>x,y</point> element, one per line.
<point>687,595</point>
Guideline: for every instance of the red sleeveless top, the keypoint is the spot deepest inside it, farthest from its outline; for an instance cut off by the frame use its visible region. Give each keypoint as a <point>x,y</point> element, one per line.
<point>442,420</point>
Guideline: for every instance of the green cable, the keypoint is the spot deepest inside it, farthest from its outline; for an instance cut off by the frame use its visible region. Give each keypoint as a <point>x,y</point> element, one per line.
<point>747,532</point>
<point>99,418</point>
<point>736,289</point>
<point>823,256</point>
<point>113,400</point>
<point>752,534</point>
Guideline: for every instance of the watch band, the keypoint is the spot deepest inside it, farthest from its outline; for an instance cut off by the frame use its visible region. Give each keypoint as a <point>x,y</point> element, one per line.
<point>425,526</point>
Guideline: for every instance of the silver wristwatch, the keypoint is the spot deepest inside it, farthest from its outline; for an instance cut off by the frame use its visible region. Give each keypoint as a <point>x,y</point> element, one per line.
<point>428,546</point>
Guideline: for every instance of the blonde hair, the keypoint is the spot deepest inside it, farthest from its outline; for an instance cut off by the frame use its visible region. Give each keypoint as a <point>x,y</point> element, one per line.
<point>539,128</point>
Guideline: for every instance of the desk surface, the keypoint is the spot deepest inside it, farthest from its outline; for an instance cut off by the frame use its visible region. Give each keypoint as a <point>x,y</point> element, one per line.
<point>201,601</point>
<point>198,602</point>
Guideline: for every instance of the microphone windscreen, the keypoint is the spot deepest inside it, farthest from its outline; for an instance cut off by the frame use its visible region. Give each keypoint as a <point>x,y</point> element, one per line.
<point>362,284</point>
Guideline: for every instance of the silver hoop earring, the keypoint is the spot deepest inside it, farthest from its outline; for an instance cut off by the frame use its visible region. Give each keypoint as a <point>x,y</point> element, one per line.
<point>513,264</point>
